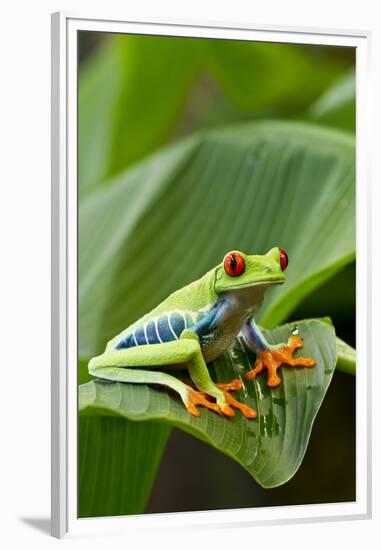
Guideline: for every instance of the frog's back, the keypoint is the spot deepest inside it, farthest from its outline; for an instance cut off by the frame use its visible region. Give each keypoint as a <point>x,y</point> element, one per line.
<point>181,310</point>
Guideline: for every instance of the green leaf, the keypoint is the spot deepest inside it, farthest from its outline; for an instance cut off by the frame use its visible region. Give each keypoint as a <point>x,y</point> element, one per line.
<point>165,222</point>
<point>346,357</point>
<point>134,90</point>
<point>99,85</point>
<point>130,94</point>
<point>118,461</point>
<point>337,106</point>
<point>268,76</point>
<point>270,447</point>
<point>337,295</point>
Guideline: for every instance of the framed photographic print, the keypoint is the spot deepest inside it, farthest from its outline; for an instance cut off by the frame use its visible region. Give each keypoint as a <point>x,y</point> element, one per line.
<point>210,274</point>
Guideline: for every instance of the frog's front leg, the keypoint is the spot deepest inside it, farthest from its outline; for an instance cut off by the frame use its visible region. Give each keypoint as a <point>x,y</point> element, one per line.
<point>271,357</point>
<point>123,366</point>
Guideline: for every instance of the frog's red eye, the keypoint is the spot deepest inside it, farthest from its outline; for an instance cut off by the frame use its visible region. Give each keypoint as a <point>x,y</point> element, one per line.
<point>234,264</point>
<point>283,259</point>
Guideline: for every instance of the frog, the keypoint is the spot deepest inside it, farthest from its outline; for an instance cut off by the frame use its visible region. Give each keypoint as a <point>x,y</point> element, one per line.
<point>197,324</point>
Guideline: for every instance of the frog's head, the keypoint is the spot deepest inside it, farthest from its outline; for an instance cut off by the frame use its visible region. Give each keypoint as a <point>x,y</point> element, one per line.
<point>239,270</point>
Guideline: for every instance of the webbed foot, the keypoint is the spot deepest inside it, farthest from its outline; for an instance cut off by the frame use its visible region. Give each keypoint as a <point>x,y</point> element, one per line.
<point>199,398</point>
<point>272,359</point>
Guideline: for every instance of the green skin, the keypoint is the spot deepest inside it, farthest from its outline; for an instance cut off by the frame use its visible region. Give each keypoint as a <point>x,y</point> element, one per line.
<point>227,304</point>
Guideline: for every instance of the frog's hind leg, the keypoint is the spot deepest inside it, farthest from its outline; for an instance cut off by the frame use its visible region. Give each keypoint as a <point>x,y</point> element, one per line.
<point>140,376</point>
<point>189,396</point>
<point>123,366</point>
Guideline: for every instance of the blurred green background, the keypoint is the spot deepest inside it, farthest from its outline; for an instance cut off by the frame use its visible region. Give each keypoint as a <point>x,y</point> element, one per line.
<point>140,93</point>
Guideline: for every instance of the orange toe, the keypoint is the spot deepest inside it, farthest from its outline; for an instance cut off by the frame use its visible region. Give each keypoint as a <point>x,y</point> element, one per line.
<point>227,410</point>
<point>236,385</point>
<point>198,398</point>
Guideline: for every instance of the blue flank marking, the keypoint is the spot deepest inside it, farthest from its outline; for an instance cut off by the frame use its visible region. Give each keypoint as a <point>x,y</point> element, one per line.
<point>159,331</point>
<point>140,336</point>
<point>177,323</point>
<point>151,333</point>
<point>165,333</point>
<point>126,342</point>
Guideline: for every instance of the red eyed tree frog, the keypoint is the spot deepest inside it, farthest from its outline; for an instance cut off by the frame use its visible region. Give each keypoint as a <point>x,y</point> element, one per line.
<point>198,323</point>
